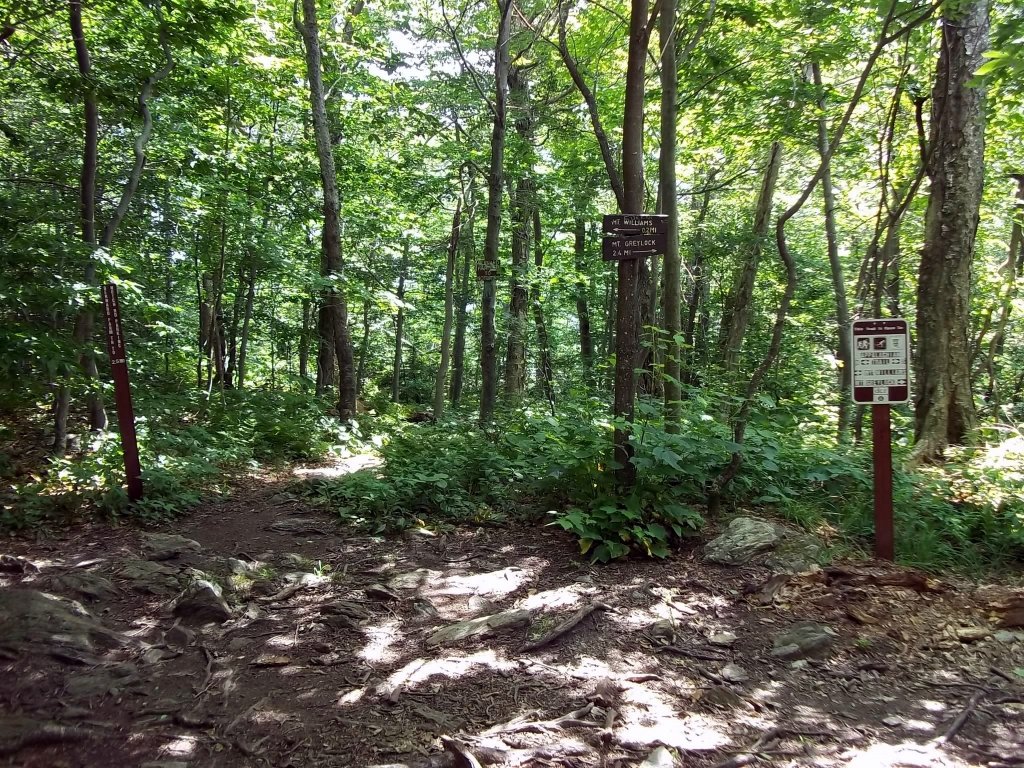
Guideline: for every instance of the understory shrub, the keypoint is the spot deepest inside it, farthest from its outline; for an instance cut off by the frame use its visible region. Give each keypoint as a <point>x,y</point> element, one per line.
<point>188,445</point>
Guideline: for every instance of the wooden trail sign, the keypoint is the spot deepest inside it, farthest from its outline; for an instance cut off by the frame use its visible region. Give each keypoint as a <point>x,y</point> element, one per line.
<point>634,236</point>
<point>122,391</point>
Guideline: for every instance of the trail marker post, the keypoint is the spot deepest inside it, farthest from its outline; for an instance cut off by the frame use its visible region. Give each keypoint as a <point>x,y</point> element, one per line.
<point>628,238</point>
<point>881,378</point>
<point>122,391</point>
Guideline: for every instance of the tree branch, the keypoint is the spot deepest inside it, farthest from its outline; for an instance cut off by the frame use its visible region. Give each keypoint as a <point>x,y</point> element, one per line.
<point>143,138</point>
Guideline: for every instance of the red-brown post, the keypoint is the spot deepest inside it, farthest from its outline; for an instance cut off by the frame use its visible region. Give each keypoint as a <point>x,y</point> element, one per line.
<point>122,391</point>
<point>881,454</point>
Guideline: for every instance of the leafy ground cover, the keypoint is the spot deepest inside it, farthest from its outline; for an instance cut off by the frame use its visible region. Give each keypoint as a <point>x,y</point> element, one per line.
<point>539,468</point>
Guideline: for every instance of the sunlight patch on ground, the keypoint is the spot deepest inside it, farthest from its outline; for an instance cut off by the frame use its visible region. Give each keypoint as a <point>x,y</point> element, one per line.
<point>933,706</point>
<point>341,466</point>
<point>694,732</point>
<point>451,667</point>
<point>379,642</point>
<point>496,583</point>
<point>282,641</point>
<point>563,597</point>
<point>904,755</point>
<point>179,747</point>
<point>350,698</point>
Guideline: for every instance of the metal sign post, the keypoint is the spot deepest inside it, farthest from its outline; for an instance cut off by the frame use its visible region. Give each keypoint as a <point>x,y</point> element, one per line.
<point>881,378</point>
<point>122,391</point>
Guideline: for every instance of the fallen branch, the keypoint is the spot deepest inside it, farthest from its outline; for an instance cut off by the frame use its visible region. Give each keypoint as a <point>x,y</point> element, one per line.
<point>566,626</point>
<point>522,725</point>
<point>284,594</point>
<point>961,720</point>
<point>918,582</point>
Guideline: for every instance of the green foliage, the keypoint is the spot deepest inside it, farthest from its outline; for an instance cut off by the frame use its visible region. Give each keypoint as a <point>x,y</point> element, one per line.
<point>188,447</point>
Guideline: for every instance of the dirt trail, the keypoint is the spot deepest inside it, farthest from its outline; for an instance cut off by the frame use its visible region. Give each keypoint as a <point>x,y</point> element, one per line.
<point>331,655</point>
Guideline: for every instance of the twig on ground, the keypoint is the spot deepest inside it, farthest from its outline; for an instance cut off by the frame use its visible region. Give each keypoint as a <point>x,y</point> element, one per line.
<point>690,653</point>
<point>284,594</point>
<point>567,626</point>
<point>208,676</point>
<point>961,719</point>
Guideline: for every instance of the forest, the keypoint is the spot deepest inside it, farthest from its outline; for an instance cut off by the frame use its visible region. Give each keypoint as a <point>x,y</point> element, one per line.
<point>370,226</point>
<point>438,468</point>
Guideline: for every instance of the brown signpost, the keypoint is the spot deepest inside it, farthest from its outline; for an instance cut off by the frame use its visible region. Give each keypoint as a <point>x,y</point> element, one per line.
<point>881,378</point>
<point>122,391</point>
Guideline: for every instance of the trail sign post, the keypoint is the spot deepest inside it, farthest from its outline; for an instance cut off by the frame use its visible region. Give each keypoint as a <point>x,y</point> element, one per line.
<point>881,378</point>
<point>122,391</point>
<point>628,238</point>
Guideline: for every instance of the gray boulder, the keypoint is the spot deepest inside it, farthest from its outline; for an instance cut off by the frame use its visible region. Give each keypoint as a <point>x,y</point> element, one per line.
<point>165,546</point>
<point>202,603</point>
<point>149,577</point>
<point>803,640</point>
<point>745,538</point>
<point>33,620</point>
<point>85,584</point>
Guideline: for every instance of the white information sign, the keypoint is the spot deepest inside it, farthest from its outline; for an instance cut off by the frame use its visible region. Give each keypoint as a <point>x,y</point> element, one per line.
<point>881,361</point>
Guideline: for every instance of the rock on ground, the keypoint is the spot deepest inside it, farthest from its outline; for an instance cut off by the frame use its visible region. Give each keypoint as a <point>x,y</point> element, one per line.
<point>202,603</point>
<point>148,577</point>
<point>86,584</point>
<point>165,546</point>
<point>743,539</point>
<point>806,639</point>
<point>33,619</point>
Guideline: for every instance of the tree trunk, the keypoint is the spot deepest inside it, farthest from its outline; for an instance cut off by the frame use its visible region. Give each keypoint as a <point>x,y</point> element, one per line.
<point>545,370</point>
<point>582,304</point>
<point>449,307</point>
<point>237,308</point>
<point>627,313</point>
<point>364,348</point>
<point>695,333</point>
<point>243,348</point>
<point>739,305</point>
<point>396,370</point>
<point>515,351</point>
<point>943,405</point>
<point>467,248</point>
<point>304,340</point>
<point>495,175</point>
<point>334,311</point>
<point>835,264</point>
<point>83,328</point>
<point>1010,271</point>
<point>670,207</point>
